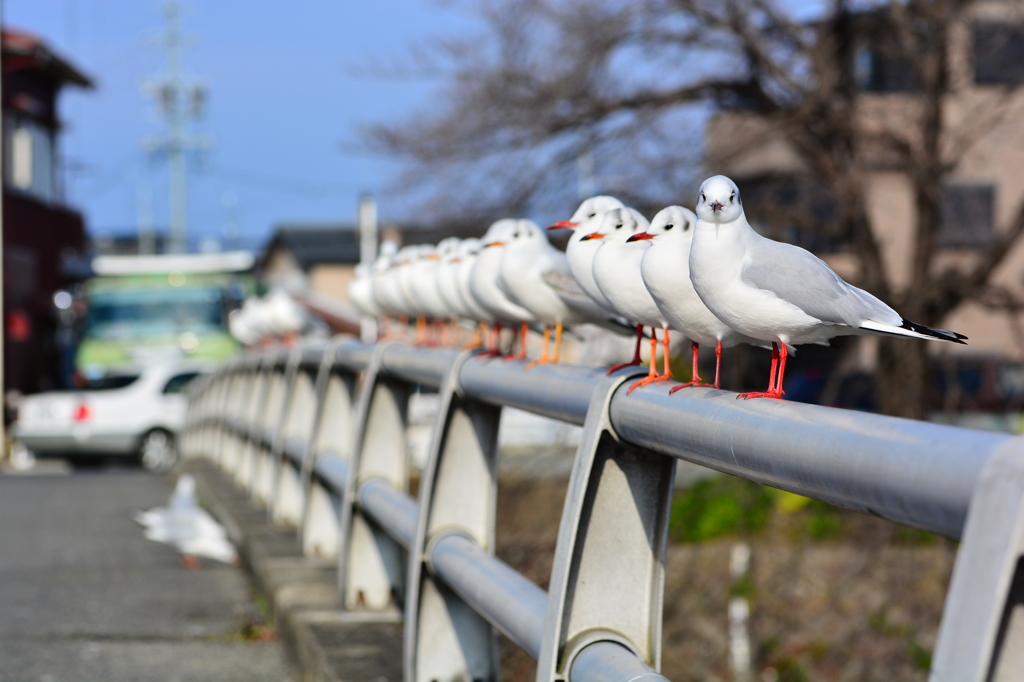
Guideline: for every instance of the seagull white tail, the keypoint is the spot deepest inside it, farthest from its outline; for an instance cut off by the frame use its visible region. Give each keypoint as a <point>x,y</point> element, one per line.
<point>914,330</point>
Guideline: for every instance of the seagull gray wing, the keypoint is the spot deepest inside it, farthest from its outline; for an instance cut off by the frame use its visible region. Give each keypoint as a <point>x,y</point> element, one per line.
<point>804,280</point>
<point>572,294</point>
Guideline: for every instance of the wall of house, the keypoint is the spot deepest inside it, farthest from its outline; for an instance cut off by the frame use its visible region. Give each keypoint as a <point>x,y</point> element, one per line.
<point>331,279</point>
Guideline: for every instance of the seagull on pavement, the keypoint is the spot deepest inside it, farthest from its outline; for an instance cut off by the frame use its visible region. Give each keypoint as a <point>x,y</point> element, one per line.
<point>778,292</point>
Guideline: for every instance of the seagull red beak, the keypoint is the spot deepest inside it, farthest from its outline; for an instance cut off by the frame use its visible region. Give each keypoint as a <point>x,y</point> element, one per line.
<point>562,225</point>
<point>715,206</point>
<point>640,235</point>
<point>494,244</point>
<point>592,235</point>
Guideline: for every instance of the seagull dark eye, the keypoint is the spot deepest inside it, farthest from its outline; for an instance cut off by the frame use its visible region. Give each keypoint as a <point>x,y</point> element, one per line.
<point>702,197</point>
<point>669,226</point>
<point>731,197</point>
<point>591,215</point>
<point>619,226</point>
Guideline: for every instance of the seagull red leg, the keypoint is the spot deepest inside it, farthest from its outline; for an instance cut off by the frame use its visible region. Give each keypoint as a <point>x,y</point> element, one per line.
<point>636,351</point>
<point>696,381</point>
<point>774,377</point>
<point>493,337</point>
<point>478,337</point>
<point>718,364</point>
<point>544,357</point>
<point>653,375</point>
<point>524,329</point>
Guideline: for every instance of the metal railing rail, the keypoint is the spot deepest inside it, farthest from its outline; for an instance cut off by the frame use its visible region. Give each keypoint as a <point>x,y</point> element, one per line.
<point>427,559</point>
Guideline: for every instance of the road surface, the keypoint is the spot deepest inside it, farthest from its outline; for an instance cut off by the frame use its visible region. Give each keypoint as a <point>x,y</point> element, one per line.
<point>84,596</point>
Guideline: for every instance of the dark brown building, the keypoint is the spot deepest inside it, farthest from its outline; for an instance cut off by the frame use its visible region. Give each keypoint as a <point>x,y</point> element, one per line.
<point>39,231</point>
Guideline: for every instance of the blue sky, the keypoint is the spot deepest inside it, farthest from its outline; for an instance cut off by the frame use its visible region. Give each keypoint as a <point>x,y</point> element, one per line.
<point>288,88</point>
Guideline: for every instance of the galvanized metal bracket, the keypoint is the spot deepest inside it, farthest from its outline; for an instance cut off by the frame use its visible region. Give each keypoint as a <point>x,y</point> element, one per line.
<point>268,458</point>
<point>287,501</point>
<point>607,581</point>
<point>981,637</point>
<point>371,565</point>
<point>445,639</point>
<point>319,530</point>
<point>243,467</point>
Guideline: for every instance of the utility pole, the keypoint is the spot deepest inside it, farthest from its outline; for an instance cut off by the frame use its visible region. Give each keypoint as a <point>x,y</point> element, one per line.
<point>181,101</point>
<point>367,229</point>
<point>144,209</point>
<point>367,225</point>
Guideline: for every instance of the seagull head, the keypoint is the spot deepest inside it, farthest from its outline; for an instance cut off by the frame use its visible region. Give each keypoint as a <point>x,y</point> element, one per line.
<point>526,234</point>
<point>621,223</point>
<point>591,209</point>
<point>719,200</point>
<point>672,223</point>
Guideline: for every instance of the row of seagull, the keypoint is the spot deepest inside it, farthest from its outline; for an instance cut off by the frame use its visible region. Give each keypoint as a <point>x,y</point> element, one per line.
<point>706,274</point>
<point>275,316</point>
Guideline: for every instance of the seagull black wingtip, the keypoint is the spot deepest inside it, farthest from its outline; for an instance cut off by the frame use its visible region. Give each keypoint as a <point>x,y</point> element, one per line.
<point>943,334</point>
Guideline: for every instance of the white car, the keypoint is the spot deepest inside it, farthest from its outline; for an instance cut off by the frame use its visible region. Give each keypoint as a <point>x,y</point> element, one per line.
<point>135,414</point>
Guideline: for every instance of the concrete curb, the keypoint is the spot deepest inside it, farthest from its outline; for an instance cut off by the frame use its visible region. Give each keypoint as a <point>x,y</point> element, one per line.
<point>323,643</point>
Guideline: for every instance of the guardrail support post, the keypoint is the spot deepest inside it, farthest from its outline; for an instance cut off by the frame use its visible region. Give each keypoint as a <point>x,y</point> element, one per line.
<point>981,637</point>
<point>268,455</point>
<point>371,568</point>
<point>445,640</point>
<point>319,532</point>
<point>607,581</point>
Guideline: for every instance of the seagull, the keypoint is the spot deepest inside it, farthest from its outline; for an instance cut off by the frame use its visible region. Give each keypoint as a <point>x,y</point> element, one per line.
<point>187,527</point>
<point>580,255</point>
<point>778,292</point>
<point>387,291</point>
<point>528,257</point>
<point>446,280</point>
<point>617,273</point>
<point>466,257</point>
<point>417,282</point>
<point>360,292</point>
<point>483,284</point>
<point>666,272</point>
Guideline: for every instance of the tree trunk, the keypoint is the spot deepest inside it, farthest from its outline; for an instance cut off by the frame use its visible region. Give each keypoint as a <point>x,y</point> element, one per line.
<point>902,379</point>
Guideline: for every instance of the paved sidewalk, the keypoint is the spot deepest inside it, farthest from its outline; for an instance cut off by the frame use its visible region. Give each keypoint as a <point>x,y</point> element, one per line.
<point>84,596</point>
<point>323,643</point>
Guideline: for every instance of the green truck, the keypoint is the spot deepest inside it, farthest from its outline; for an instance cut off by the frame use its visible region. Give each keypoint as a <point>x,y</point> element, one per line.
<point>142,309</point>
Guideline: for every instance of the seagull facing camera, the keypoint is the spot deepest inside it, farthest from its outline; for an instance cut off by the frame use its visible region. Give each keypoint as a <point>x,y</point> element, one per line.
<point>780,293</point>
<point>719,200</point>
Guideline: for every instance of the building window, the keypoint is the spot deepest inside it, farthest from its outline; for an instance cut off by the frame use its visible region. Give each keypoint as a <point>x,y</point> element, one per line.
<point>967,215</point>
<point>877,69</point>
<point>998,54</point>
<point>31,166</point>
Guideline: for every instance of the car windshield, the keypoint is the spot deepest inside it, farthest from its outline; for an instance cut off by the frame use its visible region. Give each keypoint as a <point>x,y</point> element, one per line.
<point>178,382</point>
<point>117,315</point>
<point>109,382</point>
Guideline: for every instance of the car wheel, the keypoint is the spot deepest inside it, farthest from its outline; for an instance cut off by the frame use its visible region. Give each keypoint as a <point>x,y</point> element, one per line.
<point>158,452</point>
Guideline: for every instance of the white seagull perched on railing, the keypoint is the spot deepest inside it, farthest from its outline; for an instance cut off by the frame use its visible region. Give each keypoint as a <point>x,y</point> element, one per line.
<point>666,272</point>
<point>483,285</point>
<point>617,273</point>
<point>581,291</point>
<point>528,256</point>
<point>360,292</point>
<point>778,292</point>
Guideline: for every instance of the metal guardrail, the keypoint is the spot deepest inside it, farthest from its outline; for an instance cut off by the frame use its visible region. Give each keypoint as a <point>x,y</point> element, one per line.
<point>318,434</point>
